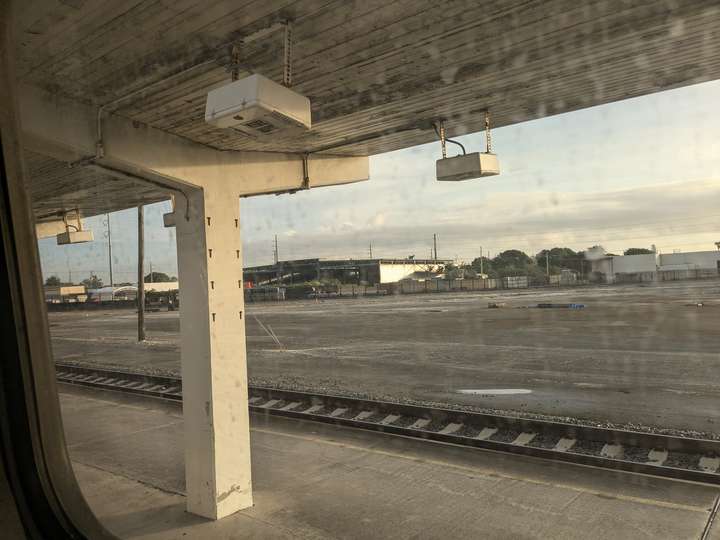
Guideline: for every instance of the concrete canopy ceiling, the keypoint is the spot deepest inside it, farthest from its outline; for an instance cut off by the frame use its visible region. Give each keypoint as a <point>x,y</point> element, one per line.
<point>55,188</point>
<point>377,71</point>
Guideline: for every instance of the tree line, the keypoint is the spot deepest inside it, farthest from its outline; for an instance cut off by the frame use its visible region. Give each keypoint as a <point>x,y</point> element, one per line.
<point>514,262</point>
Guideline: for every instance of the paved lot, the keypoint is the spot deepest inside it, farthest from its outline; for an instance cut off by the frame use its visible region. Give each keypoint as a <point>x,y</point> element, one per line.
<point>639,355</point>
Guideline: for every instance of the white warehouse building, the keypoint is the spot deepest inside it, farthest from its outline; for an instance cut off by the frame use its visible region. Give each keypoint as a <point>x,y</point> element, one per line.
<point>656,267</point>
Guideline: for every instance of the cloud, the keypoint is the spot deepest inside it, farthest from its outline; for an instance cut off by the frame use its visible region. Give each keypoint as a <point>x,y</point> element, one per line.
<point>665,214</point>
<point>378,220</point>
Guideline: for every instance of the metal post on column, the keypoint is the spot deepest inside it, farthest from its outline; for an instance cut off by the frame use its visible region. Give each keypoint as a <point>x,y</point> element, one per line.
<point>141,272</point>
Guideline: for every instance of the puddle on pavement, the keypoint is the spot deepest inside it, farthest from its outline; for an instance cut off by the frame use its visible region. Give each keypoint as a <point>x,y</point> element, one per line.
<point>487,392</point>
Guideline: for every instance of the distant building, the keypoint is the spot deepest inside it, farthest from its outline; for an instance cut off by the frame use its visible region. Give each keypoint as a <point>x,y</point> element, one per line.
<point>367,271</point>
<point>129,292</point>
<point>65,293</point>
<point>106,294</point>
<point>162,286</point>
<point>655,267</point>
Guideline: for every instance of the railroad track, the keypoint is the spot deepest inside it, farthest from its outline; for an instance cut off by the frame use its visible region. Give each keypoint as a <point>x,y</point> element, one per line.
<point>646,453</point>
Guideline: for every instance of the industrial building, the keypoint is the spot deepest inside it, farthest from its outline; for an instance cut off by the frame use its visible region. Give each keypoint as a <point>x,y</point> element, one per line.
<point>56,294</point>
<point>655,267</point>
<point>357,271</point>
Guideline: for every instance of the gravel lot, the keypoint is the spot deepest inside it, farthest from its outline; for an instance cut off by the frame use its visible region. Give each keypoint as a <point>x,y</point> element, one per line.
<point>643,357</point>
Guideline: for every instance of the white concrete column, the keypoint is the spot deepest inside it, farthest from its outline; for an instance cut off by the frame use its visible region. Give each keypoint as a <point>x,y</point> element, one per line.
<point>214,371</point>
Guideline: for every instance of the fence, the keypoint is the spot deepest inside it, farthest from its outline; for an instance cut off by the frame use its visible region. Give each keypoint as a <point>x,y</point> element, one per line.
<point>667,275</point>
<point>264,294</point>
<point>366,290</point>
<point>690,273</point>
<point>636,277</point>
<point>409,286</point>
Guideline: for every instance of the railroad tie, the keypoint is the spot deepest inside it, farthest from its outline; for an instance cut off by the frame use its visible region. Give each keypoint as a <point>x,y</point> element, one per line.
<point>314,409</point>
<point>524,438</point>
<point>290,406</point>
<point>450,429</point>
<point>389,419</point>
<point>657,457</point>
<point>565,444</point>
<point>613,451</point>
<point>709,464</point>
<point>363,415</point>
<point>486,433</point>
<point>338,412</point>
<point>270,403</point>
<point>420,423</point>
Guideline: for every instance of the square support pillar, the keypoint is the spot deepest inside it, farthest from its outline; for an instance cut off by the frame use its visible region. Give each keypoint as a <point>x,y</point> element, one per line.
<point>214,371</point>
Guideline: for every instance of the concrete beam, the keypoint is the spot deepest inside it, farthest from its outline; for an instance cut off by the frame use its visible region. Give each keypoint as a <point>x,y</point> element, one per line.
<point>66,130</point>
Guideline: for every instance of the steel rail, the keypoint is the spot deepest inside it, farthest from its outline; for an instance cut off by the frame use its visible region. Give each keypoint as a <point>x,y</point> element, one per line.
<point>674,457</point>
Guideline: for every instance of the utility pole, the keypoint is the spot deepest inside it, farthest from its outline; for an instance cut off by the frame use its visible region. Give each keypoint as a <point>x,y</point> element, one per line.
<point>112,283</point>
<point>152,278</point>
<point>547,263</point>
<point>371,250</point>
<point>435,246</point>
<point>278,273</point>
<point>141,272</point>
<point>481,261</point>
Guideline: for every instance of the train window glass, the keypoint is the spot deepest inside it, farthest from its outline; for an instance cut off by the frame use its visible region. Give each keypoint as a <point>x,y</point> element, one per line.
<point>574,286</point>
<point>532,268</point>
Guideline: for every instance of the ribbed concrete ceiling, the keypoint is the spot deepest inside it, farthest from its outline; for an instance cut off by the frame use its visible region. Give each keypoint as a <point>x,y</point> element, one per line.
<point>377,71</point>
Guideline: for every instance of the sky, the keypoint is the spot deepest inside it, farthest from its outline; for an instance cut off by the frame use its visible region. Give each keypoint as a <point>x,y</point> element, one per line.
<point>633,173</point>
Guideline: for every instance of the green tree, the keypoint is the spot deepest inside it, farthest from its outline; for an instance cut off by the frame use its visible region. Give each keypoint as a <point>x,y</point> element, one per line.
<point>53,281</point>
<point>93,282</point>
<point>558,257</point>
<point>157,277</point>
<point>512,257</point>
<point>512,262</point>
<point>485,268</point>
<point>637,251</point>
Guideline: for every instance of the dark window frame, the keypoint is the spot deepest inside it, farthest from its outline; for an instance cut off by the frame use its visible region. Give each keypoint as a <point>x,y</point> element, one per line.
<point>37,468</point>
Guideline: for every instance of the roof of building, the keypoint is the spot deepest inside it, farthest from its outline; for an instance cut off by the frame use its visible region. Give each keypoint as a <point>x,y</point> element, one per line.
<point>339,264</point>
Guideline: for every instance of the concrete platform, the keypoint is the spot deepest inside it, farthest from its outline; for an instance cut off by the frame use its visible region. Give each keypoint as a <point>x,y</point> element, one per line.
<point>318,481</point>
